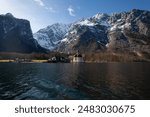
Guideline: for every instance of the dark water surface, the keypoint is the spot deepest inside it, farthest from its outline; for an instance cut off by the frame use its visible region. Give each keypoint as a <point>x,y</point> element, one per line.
<point>75,81</point>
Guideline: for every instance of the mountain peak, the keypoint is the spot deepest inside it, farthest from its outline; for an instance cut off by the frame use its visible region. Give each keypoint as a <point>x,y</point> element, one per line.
<point>9,15</point>
<point>101,16</point>
<point>137,10</point>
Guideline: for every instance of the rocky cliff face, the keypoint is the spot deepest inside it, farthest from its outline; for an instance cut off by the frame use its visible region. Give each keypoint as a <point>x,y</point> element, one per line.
<point>130,31</point>
<point>84,38</point>
<point>16,35</point>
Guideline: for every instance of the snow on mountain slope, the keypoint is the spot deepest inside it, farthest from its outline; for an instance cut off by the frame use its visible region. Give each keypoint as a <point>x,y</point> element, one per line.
<point>50,36</point>
<point>83,33</point>
<point>86,22</point>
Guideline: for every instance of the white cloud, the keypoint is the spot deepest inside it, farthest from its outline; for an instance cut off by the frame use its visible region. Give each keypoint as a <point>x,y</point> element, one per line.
<point>40,2</point>
<point>71,11</point>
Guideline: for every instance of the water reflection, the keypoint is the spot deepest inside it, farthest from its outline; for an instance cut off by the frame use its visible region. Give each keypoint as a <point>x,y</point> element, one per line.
<point>75,81</point>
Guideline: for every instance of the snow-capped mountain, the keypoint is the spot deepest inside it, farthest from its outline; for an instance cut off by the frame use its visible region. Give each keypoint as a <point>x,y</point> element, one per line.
<point>16,35</point>
<point>50,36</point>
<point>86,35</point>
<point>117,32</point>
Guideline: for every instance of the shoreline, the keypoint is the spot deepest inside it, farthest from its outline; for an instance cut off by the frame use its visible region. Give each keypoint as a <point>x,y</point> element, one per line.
<point>46,61</point>
<point>32,61</point>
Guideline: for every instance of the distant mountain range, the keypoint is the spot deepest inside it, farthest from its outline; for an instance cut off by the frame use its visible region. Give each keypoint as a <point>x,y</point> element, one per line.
<point>125,31</point>
<point>16,35</point>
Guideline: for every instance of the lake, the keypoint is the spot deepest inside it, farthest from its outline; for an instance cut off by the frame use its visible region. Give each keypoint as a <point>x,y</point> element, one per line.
<point>46,81</point>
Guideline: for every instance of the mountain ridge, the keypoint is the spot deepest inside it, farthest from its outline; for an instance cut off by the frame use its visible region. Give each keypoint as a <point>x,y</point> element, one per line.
<point>125,31</point>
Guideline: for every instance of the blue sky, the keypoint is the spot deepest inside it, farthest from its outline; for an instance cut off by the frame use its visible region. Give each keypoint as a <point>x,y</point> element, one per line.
<point>42,13</point>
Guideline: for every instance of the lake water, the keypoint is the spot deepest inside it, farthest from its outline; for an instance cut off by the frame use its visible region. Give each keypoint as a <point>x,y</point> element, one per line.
<point>74,81</point>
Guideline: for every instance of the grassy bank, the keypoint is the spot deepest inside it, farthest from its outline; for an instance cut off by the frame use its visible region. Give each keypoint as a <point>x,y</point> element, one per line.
<point>32,61</point>
<point>6,61</point>
<point>39,61</point>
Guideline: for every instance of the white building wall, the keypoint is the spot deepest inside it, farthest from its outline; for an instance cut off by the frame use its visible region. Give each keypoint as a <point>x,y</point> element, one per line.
<point>78,59</point>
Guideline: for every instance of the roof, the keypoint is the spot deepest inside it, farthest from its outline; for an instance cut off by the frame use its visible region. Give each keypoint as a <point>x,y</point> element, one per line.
<point>77,55</point>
